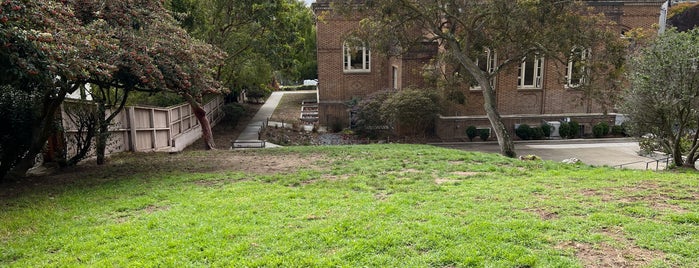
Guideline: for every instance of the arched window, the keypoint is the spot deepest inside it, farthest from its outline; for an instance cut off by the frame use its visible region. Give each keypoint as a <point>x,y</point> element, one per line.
<point>356,56</point>
<point>576,74</point>
<point>531,73</point>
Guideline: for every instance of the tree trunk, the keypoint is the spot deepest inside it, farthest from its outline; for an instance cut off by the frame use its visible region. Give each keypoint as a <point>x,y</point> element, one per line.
<point>677,152</point>
<point>692,155</point>
<point>101,141</point>
<point>200,113</point>
<point>104,121</point>
<point>507,146</point>
<point>40,133</point>
<point>207,134</point>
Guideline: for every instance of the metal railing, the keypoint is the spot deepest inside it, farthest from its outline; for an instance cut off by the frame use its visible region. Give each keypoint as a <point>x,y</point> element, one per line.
<point>656,161</point>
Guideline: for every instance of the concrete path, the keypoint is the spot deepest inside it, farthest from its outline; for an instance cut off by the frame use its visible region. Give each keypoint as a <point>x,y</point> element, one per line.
<point>598,152</point>
<point>251,132</point>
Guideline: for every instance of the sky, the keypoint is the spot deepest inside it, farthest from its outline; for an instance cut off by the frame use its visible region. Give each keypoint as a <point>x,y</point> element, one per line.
<point>308,2</point>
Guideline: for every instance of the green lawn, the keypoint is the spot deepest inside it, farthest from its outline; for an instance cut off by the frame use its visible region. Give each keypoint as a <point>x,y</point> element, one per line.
<point>373,206</point>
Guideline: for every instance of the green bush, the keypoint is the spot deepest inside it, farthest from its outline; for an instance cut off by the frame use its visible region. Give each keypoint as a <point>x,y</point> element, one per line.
<point>574,130</point>
<point>484,134</point>
<point>471,132</point>
<point>232,113</point>
<point>564,130</point>
<point>546,129</point>
<point>366,114</point>
<point>524,132</point>
<point>412,109</point>
<point>618,130</point>
<point>537,133</point>
<point>601,129</point>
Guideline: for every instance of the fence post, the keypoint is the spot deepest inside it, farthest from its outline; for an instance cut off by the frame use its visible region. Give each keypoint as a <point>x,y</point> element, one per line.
<point>132,128</point>
<point>169,127</point>
<point>153,136</point>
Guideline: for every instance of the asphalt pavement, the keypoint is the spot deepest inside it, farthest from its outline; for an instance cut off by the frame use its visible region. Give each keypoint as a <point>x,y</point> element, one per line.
<point>598,152</point>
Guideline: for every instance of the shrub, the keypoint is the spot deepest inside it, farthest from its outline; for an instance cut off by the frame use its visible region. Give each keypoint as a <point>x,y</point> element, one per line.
<point>232,113</point>
<point>601,129</point>
<point>366,113</point>
<point>412,109</point>
<point>564,130</point>
<point>574,129</point>
<point>524,132</point>
<point>484,134</point>
<point>546,129</point>
<point>537,133</point>
<point>259,92</point>
<point>471,132</point>
<point>618,130</point>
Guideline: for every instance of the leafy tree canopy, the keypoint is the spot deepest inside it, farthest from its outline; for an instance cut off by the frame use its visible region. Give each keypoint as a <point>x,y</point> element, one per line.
<point>664,96</point>
<point>277,33</point>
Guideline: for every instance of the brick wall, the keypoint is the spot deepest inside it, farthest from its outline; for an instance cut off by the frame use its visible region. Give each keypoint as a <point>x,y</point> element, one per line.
<point>520,105</point>
<point>336,87</point>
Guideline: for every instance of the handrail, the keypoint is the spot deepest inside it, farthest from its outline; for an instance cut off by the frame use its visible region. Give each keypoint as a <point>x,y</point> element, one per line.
<point>657,163</point>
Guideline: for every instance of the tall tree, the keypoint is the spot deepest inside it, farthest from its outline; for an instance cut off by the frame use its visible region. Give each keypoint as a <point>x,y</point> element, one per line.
<point>154,54</point>
<point>44,52</point>
<point>464,29</point>
<point>664,96</point>
<point>275,33</point>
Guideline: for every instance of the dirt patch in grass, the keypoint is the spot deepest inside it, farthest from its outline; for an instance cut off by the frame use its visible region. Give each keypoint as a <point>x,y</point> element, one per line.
<point>88,174</point>
<point>624,253</point>
<point>543,214</point>
<point>465,173</point>
<point>153,208</point>
<point>647,192</point>
<point>251,162</point>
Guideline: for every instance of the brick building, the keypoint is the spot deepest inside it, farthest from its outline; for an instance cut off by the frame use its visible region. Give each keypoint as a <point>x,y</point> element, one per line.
<point>538,90</point>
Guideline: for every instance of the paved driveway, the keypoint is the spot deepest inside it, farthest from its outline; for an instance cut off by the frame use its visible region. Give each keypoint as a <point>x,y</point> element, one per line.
<point>598,152</point>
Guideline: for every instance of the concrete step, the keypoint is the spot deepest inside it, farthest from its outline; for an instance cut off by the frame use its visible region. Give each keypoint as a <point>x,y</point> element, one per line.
<point>248,144</point>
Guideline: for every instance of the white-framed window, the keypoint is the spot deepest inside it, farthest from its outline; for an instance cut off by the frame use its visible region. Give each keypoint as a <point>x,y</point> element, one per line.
<point>531,73</point>
<point>356,57</point>
<point>486,61</point>
<point>576,73</point>
<point>394,75</point>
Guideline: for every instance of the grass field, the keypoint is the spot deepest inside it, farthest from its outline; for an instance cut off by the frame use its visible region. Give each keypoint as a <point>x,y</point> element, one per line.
<point>360,206</point>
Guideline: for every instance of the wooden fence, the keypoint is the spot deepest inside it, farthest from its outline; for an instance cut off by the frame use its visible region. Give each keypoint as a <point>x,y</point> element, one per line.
<point>145,129</point>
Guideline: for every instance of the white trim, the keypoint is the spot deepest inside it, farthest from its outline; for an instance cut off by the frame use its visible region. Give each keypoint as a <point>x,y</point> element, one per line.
<point>491,58</point>
<point>537,75</point>
<point>348,66</point>
<point>585,54</point>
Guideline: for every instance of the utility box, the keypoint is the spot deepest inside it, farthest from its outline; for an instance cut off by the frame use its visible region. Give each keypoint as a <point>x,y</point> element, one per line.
<point>555,126</point>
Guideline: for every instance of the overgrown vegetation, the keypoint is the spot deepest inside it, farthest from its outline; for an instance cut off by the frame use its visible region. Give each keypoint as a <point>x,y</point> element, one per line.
<point>378,205</point>
<point>664,92</point>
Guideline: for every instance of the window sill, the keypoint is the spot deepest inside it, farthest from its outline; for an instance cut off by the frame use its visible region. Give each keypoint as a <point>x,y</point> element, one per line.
<point>530,88</point>
<point>356,71</point>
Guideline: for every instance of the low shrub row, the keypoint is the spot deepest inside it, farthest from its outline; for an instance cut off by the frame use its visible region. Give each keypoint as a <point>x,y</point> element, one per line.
<point>525,132</point>
<point>472,132</point>
<point>567,130</point>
